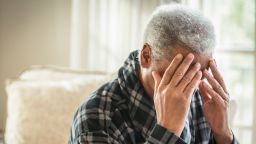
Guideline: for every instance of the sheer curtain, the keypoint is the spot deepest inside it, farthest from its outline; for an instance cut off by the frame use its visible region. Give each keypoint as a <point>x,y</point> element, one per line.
<point>103,32</point>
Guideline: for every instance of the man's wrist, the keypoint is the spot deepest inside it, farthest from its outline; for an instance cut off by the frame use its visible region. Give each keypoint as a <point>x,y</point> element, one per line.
<point>226,138</point>
<point>175,129</point>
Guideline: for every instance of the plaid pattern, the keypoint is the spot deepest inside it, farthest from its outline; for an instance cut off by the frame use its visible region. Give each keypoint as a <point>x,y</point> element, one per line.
<point>121,112</point>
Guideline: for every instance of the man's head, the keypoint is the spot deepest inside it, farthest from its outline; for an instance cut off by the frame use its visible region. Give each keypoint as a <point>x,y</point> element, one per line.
<point>174,29</point>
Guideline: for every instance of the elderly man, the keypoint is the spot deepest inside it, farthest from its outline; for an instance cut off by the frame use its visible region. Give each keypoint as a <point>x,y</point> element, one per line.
<point>160,94</point>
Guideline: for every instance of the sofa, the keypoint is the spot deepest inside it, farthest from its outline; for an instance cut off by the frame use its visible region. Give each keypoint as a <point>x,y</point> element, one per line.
<point>42,101</point>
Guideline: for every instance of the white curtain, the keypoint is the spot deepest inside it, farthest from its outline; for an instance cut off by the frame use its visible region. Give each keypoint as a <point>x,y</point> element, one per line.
<point>103,32</point>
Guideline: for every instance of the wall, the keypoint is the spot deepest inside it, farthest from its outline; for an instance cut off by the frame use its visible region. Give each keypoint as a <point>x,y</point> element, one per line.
<point>32,32</point>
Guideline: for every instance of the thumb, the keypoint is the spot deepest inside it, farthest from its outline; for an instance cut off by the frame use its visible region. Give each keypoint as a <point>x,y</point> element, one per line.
<point>157,78</point>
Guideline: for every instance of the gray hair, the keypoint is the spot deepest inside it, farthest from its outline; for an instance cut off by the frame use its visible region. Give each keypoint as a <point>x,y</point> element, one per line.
<point>176,24</point>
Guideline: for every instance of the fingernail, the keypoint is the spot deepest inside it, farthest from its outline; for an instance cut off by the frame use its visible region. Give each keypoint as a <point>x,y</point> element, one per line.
<point>190,56</point>
<point>197,65</point>
<point>179,56</point>
<point>153,73</point>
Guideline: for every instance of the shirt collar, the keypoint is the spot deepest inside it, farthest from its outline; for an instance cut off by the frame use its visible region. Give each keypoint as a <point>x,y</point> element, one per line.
<point>141,106</point>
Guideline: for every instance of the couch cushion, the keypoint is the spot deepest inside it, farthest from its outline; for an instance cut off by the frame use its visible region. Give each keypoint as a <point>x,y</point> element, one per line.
<point>41,111</point>
<point>47,72</point>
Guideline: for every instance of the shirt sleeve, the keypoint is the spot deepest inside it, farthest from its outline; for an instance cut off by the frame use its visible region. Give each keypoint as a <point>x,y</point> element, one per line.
<point>94,137</point>
<point>161,135</point>
<point>213,141</point>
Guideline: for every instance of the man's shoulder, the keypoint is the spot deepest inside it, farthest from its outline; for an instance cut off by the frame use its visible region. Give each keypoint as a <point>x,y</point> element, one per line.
<point>98,107</point>
<point>104,100</point>
<point>108,93</point>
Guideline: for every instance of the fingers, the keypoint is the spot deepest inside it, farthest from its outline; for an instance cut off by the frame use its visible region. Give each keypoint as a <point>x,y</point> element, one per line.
<point>189,76</point>
<point>171,69</point>
<point>215,96</point>
<point>206,97</point>
<point>215,85</point>
<point>182,69</point>
<point>193,84</point>
<point>217,75</point>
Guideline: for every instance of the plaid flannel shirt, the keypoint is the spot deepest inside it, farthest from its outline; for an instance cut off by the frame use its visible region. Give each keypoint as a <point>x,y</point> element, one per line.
<point>121,112</point>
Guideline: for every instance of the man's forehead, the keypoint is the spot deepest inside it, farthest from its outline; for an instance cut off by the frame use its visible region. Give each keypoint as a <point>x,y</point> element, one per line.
<point>203,59</point>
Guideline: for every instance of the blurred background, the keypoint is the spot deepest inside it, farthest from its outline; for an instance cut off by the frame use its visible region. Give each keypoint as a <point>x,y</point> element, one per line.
<point>97,35</point>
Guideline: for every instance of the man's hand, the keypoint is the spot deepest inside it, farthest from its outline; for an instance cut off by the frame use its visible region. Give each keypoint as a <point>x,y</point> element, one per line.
<point>215,104</point>
<point>173,92</point>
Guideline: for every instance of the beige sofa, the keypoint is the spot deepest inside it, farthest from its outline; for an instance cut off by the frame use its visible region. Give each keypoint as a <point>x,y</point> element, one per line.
<point>42,102</point>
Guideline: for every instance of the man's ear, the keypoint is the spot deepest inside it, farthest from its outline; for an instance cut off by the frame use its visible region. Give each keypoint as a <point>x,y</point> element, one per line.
<point>145,56</point>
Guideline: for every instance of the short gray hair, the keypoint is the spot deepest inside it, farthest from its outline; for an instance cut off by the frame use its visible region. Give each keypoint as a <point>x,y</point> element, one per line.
<point>176,24</point>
